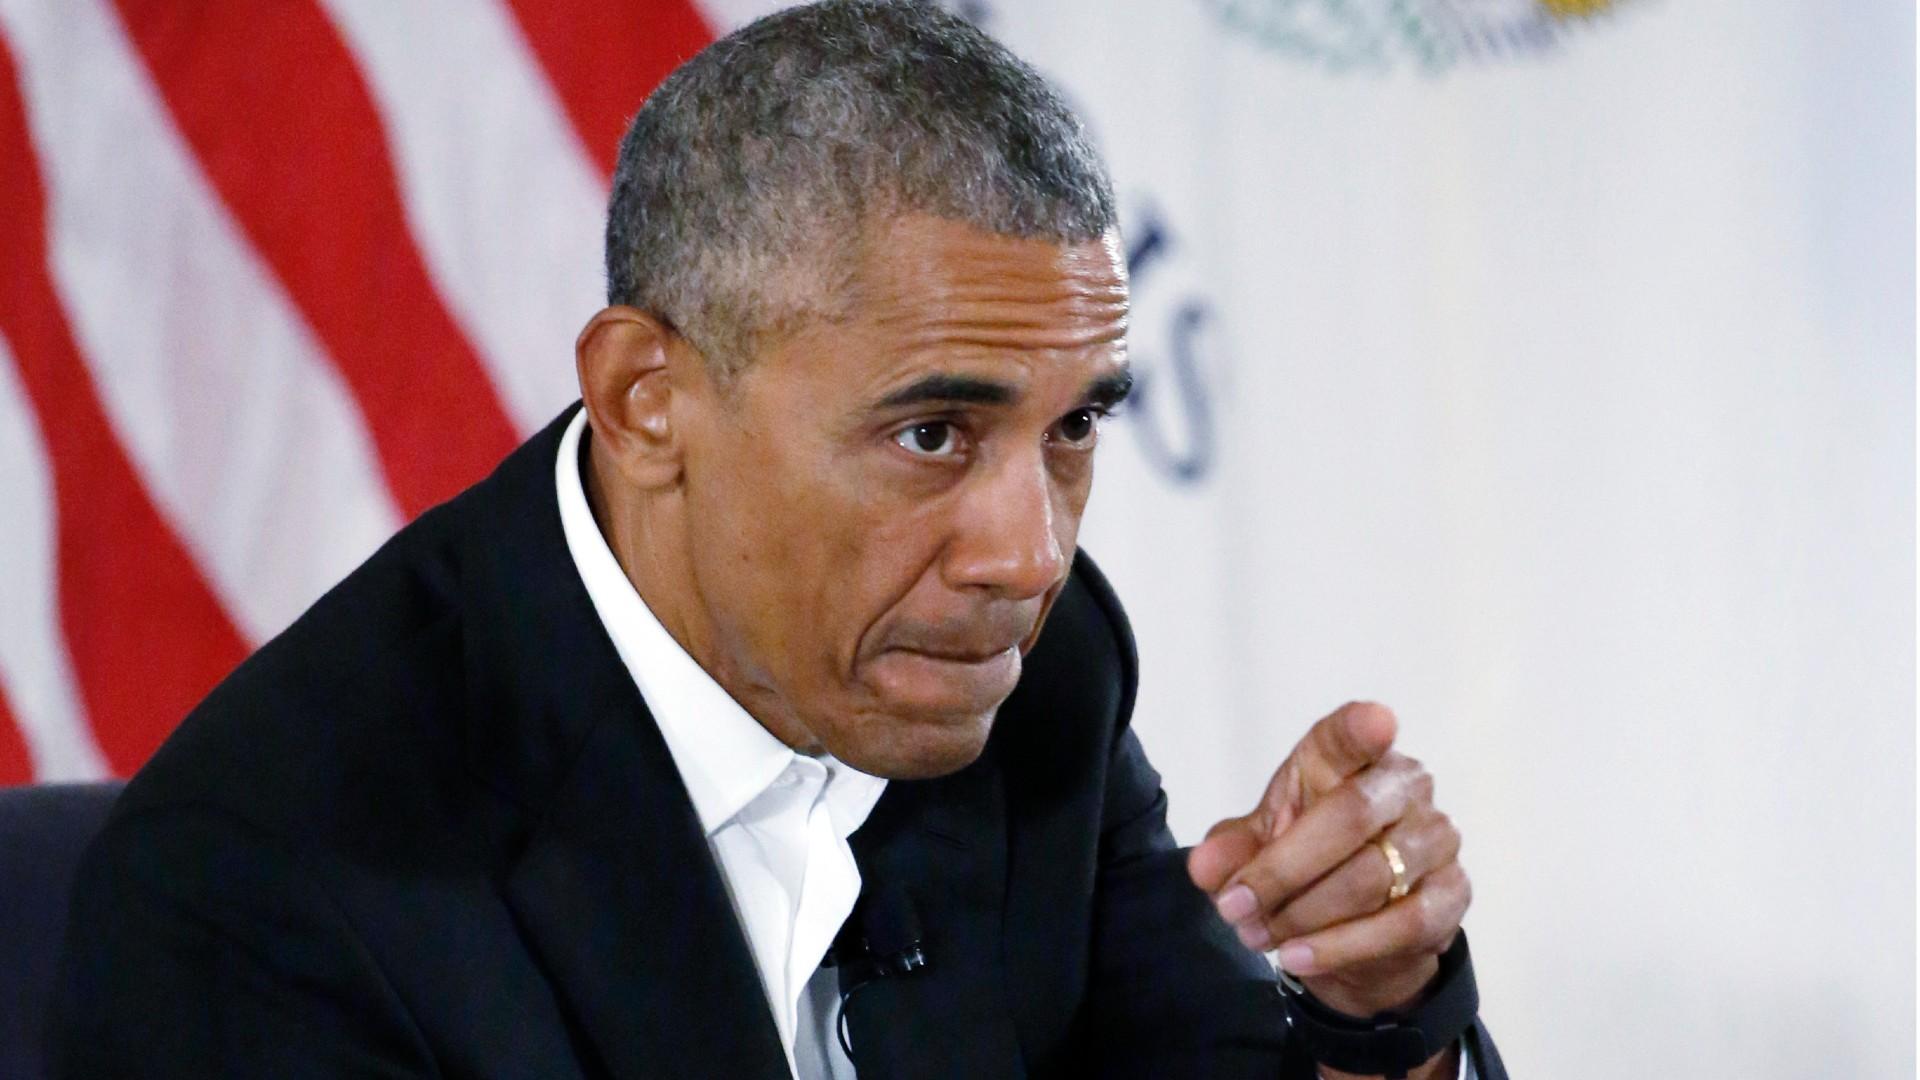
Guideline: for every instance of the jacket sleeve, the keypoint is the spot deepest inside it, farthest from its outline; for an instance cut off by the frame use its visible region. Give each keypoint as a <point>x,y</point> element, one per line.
<point>1171,991</point>
<point>198,947</point>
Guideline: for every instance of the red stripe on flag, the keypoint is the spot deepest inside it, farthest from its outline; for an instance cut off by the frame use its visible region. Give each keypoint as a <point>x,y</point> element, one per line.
<point>605,58</point>
<point>147,637</point>
<point>273,106</point>
<point>15,766</point>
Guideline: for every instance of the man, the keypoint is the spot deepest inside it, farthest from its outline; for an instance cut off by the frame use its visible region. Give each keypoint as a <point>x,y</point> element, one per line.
<point>758,718</point>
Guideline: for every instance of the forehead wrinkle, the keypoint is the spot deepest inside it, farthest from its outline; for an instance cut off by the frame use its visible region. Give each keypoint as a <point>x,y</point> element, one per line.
<point>928,289</point>
<point>1030,281</point>
<point>1049,292</point>
<point>998,337</point>
<point>1065,319</point>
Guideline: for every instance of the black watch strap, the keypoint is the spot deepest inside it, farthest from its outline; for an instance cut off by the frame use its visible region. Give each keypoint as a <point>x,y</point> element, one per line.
<point>1391,1043</point>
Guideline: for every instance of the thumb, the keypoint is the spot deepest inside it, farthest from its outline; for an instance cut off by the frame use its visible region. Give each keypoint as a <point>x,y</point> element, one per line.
<point>1344,742</point>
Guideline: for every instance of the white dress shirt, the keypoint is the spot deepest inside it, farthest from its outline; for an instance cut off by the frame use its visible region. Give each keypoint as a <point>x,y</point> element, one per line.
<point>777,821</point>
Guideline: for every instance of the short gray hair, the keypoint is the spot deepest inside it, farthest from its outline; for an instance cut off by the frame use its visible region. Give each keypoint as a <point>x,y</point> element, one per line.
<point>746,179</point>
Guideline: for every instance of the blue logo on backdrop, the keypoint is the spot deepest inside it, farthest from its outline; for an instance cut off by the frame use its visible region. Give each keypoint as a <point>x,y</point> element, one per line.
<point>1171,410</point>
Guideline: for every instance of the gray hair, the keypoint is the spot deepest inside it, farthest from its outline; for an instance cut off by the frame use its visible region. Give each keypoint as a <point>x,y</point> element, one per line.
<point>747,178</point>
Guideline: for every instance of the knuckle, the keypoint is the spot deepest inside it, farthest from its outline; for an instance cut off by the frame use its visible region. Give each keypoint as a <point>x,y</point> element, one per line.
<point>1283,925</point>
<point>1449,896</point>
<point>1359,813</point>
<point>1258,879</point>
<point>1416,850</point>
<point>1420,785</point>
<point>1363,886</point>
<point>1432,918</point>
<point>1266,880</point>
<point>1226,825</point>
<point>1390,792</point>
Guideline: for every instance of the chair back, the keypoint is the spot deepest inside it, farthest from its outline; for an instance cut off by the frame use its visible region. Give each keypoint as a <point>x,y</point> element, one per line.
<point>43,830</point>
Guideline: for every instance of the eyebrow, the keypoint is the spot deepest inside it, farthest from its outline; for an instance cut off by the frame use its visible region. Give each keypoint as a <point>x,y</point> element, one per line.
<point>1106,391</point>
<point>959,389</point>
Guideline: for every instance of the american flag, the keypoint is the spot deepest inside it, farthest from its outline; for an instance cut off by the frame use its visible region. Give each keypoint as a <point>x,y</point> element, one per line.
<point>274,278</point>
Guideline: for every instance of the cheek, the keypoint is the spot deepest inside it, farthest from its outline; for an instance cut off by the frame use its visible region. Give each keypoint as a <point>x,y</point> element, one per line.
<point>874,547</point>
<point>1072,487</point>
<point>747,538</point>
<point>803,561</point>
<point>870,561</point>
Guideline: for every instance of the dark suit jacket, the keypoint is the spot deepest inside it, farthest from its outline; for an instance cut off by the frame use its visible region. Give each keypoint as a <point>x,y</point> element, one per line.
<point>431,830</point>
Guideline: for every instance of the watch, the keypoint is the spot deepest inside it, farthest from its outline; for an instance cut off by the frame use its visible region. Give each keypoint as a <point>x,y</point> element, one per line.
<point>1394,1042</point>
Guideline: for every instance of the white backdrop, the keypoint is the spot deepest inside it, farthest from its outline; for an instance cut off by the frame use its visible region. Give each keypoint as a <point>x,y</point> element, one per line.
<point>1560,395</point>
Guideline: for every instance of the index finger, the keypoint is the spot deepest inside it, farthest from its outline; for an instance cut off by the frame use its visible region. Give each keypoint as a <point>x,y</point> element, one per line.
<point>1347,740</point>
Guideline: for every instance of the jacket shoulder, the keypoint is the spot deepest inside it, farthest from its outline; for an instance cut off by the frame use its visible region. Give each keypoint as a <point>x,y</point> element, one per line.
<point>360,684</point>
<point>342,726</point>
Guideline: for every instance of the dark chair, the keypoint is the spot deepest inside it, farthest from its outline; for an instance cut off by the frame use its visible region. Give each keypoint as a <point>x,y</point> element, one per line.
<point>43,830</point>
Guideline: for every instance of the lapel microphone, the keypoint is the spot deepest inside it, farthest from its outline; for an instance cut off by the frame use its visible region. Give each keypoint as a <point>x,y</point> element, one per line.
<point>887,944</point>
<point>883,940</point>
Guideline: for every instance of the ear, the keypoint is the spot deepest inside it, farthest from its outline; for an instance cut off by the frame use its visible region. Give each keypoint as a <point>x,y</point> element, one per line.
<point>622,360</point>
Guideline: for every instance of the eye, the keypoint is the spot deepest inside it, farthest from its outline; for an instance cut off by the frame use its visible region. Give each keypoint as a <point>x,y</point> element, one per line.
<point>929,439</point>
<point>1080,427</point>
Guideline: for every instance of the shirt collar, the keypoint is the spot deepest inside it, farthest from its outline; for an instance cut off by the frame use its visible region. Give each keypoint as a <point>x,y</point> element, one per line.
<point>725,758</point>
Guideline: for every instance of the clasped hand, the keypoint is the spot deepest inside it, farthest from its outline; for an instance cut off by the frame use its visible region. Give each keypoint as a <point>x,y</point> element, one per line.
<point>1305,874</point>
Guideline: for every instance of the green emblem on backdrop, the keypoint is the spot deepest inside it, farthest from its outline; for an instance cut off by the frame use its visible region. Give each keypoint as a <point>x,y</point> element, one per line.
<point>1434,35</point>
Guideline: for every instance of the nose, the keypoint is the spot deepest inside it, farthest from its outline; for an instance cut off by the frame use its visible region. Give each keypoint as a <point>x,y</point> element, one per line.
<point>1013,534</point>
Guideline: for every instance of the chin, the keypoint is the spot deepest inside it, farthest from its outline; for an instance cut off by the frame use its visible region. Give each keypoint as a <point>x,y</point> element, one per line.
<point>918,747</point>
<point>924,715</point>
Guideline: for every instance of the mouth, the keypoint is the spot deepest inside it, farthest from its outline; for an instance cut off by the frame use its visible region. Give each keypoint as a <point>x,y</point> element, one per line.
<point>947,680</point>
<point>961,656</point>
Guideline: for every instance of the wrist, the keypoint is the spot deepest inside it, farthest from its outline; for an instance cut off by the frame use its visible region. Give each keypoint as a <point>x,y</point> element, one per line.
<point>1418,1040</point>
<point>1374,990</point>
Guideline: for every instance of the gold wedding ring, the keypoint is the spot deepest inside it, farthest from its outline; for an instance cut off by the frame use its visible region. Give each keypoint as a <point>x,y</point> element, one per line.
<point>1400,886</point>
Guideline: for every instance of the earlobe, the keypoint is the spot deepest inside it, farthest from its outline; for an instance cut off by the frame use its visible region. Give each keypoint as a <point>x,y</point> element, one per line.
<point>622,360</point>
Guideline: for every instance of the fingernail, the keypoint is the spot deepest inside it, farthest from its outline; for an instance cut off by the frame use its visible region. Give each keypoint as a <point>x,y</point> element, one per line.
<point>1236,904</point>
<point>1254,936</point>
<point>1297,958</point>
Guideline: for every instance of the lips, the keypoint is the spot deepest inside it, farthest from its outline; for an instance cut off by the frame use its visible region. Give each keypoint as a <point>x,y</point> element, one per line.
<point>956,666</point>
<point>962,655</point>
<point>945,679</point>
<point>964,641</point>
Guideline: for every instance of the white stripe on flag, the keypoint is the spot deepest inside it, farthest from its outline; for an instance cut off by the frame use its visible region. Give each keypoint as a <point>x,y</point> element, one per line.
<point>726,16</point>
<point>505,206</point>
<point>34,669</point>
<point>242,431</point>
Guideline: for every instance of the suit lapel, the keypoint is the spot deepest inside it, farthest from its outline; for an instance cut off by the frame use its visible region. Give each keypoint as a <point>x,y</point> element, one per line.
<point>619,895</point>
<point>944,843</point>
<point>613,885</point>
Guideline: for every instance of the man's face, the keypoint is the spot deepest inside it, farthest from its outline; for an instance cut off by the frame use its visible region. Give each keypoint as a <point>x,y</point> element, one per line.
<point>882,508</point>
